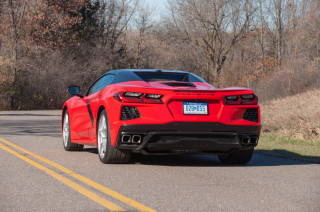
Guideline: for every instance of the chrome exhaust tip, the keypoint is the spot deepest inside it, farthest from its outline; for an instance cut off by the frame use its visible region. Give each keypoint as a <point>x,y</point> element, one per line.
<point>136,139</point>
<point>245,140</point>
<point>126,139</point>
<point>254,140</point>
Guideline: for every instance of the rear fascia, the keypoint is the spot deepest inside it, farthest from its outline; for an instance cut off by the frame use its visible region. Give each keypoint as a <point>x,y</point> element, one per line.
<point>171,111</point>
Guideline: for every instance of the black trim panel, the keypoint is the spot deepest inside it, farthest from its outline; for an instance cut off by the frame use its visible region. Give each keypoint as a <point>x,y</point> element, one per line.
<point>191,127</point>
<point>180,137</point>
<point>90,112</point>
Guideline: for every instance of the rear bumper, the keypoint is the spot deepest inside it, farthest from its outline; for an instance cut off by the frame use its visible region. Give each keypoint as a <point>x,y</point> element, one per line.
<point>181,137</point>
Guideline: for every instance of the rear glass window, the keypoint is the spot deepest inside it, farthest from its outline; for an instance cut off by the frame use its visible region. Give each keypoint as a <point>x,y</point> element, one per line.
<point>150,77</point>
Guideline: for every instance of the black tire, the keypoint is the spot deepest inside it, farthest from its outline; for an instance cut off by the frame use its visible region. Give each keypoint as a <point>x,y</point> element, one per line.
<point>67,144</point>
<point>110,155</point>
<point>237,157</point>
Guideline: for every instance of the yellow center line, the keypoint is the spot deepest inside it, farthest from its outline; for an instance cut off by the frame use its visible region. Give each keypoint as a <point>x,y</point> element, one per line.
<point>95,185</point>
<point>75,186</point>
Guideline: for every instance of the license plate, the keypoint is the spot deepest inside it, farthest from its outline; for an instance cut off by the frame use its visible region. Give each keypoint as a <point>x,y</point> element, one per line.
<point>198,108</point>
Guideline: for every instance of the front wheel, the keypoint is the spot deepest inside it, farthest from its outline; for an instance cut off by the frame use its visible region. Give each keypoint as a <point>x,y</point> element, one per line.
<point>68,146</point>
<point>237,157</point>
<point>107,153</point>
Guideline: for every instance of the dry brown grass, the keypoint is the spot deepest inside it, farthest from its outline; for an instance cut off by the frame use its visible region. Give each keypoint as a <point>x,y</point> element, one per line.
<point>295,116</point>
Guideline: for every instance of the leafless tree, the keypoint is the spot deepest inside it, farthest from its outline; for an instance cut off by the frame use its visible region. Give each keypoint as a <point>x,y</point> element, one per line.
<point>214,26</point>
<point>13,20</point>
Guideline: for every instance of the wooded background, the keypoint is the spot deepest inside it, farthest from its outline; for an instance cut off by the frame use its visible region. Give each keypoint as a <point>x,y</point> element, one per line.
<point>270,46</point>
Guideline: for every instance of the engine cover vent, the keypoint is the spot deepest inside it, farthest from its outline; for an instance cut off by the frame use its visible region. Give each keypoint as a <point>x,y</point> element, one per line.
<point>179,84</point>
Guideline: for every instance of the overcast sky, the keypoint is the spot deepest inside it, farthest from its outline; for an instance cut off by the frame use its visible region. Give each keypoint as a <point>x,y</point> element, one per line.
<point>159,7</point>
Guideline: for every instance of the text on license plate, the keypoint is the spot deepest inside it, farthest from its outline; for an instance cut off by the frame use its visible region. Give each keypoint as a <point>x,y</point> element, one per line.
<point>200,108</point>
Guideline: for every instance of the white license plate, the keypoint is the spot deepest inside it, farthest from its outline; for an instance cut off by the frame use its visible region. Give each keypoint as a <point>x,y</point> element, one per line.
<point>198,108</point>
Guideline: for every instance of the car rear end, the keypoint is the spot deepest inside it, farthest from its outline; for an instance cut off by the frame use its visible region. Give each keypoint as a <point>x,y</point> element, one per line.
<point>179,117</point>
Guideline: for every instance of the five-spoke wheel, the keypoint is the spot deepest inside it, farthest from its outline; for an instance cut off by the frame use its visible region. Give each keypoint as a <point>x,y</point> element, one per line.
<point>67,144</point>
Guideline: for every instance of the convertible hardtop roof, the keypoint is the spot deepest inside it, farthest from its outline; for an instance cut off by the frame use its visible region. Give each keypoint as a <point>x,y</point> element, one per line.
<point>125,75</point>
<point>147,70</point>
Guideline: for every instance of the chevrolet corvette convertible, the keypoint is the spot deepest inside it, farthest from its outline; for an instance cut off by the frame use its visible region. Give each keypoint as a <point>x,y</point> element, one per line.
<point>161,112</point>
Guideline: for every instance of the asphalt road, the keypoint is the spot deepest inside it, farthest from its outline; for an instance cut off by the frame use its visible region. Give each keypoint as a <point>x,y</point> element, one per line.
<point>37,174</point>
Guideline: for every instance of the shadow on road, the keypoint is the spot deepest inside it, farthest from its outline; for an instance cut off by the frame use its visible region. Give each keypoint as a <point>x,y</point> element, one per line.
<point>260,158</point>
<point>289,155</point>
<point>25,114</point>
<point>31,127</point>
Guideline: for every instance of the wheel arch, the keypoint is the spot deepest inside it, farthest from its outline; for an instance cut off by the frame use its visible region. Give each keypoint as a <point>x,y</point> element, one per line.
<point>101,108</point>
<point>64,108</point>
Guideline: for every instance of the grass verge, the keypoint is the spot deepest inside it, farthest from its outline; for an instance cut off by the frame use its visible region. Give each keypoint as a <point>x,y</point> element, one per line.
<point>282,146</point>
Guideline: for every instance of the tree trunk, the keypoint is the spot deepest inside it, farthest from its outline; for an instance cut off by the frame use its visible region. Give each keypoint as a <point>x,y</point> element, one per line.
<point>279,30</point>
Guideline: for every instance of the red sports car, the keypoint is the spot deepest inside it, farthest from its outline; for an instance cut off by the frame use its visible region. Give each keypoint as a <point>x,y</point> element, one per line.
<point>161,112</point>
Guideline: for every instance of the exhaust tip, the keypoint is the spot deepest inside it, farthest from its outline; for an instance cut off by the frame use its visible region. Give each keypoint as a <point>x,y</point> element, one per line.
<point>136,139</point>
<point>126,139</point>
<point>245,140</point>
<point>254,140</point>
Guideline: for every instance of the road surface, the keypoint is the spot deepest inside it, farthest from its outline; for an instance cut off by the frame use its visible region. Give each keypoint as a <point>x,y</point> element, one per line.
<point>37,174</point>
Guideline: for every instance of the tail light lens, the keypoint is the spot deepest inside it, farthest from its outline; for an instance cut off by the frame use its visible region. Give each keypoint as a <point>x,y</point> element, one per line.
<point>152,98</point>
<point>249,99</point>
<point>233,100</point>
<point>132,97</point>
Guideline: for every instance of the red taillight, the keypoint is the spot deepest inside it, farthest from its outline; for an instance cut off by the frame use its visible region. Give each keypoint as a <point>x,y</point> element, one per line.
<point>233,100</point>
<point>132,97</point>
<point>152,98</point>
<point>249,99</point>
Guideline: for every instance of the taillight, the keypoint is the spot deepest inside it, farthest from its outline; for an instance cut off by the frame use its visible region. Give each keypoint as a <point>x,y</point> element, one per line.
<point>249,99</point>
<point>233,100</point>
<point>132,97</point>
<point>152,98</point>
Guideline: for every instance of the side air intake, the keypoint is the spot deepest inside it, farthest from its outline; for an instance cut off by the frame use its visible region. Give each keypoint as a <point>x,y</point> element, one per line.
<point>128,113</point>
<point>251,115</point>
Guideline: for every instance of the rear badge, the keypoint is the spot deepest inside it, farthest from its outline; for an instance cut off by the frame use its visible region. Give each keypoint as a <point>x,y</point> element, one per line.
<point>195,108</point>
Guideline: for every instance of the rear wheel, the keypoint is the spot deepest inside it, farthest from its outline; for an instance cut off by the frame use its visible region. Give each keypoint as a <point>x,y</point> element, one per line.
<point>107,153</point>
<point>68,146</point>
<point>237,157</point>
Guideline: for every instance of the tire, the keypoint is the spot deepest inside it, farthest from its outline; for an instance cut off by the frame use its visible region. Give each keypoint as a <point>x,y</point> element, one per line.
<point>67,144</point>
<point>237,157</point>
<point>107,153</point>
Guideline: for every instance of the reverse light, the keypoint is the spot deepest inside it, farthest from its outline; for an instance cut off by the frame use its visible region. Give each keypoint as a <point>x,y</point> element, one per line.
<point>153,96</point>
<point>132,94</point>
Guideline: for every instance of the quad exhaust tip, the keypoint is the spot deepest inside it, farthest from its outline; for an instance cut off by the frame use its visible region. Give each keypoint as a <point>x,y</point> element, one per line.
<point>134,139</point>
<point>245,140</point>
<point>248,140</point>
<point>254,140</point>
<point>126,139</point>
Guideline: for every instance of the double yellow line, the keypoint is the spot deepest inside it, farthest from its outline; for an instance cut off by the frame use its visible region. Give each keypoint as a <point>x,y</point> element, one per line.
<point>107,204</point>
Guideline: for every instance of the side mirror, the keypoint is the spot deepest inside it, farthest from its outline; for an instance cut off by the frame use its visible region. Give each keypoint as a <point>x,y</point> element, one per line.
<point>74,90</point>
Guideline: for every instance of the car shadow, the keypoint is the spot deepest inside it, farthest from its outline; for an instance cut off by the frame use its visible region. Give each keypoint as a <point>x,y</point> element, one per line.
<point>282,153</point>
<point>259,158</point>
